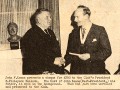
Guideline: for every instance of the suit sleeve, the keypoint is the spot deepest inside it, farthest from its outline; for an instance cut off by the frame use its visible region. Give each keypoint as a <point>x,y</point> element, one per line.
<point>104,49</point>
<point>70,46</point>
<point>29,48</point>
<point>52,53</point>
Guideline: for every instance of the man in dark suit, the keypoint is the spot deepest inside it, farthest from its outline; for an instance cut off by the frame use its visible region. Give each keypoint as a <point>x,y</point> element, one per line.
<point>40,49</point>
<point>88,45</point>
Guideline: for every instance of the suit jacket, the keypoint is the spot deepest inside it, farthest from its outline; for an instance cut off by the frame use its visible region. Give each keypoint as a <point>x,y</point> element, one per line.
<point>97,45</point>
<point>39,51</point>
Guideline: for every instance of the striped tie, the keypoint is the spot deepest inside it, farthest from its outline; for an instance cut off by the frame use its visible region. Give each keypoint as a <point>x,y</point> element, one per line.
<point>47,32</point>
<point>83,32</point>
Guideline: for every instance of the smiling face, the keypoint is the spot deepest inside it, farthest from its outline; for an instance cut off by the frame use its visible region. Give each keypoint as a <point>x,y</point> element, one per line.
<point>44,19</point>
<point>12,30</point>
<point>80,16</point>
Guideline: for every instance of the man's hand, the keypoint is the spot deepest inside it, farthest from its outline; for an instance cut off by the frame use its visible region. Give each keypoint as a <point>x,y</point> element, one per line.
<point>84,56</point>
<point>59,61</point>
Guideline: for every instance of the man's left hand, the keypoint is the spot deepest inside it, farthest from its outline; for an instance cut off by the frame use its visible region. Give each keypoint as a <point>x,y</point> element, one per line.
<point>85,56</point>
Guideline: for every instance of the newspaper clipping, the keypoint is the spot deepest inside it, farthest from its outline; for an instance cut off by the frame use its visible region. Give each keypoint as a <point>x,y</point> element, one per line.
<point>59,44</point>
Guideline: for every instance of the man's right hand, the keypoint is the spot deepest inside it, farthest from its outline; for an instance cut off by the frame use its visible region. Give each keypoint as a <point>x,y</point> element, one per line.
<point>59,61</point>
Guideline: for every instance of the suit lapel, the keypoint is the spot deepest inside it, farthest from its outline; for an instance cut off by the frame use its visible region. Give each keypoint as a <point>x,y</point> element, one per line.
<point>78,36</point>
<point>76,40</point>
<point>89,36</point>
<point>40,32</point>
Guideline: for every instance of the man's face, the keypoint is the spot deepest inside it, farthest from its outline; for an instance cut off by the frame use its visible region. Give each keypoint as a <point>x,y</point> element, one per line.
<point>44,19</point>
<point>79,16</point>
<point>12,30</point>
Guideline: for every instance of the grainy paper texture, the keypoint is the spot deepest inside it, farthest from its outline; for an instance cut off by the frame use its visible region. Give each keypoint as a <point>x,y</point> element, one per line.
<point>105,13</point>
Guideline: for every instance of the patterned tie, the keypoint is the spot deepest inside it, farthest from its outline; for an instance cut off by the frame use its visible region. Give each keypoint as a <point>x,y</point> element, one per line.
<point>47,32</point>
<point>83,32</point>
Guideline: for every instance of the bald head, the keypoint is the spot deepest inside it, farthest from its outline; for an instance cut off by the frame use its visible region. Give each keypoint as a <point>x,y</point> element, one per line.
<point>42,17</point>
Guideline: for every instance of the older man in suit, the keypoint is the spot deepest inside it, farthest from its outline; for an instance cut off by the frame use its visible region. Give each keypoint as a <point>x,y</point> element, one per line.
<point>88,45</point>
<point>40,49</point>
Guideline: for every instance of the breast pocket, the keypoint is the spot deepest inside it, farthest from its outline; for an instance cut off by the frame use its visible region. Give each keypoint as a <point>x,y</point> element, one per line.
<point>94,43</point>
<point>92,46</point>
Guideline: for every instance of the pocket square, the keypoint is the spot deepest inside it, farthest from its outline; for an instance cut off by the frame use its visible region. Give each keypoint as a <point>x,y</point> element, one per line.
<point>94,40</point>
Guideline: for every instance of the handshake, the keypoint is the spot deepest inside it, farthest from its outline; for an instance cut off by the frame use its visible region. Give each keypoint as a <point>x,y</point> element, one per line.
<point>59,61</point>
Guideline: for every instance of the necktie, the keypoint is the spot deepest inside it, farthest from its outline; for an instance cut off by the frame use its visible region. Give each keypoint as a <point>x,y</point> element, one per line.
<point>46,31</point>
<point>83,32</point>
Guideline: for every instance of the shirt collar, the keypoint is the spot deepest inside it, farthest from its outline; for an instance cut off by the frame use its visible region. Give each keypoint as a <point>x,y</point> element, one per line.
<point>87,26</point>
<point>40,27</point>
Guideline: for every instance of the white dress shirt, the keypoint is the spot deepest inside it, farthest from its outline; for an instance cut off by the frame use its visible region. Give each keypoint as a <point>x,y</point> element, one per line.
<point>87,29</point>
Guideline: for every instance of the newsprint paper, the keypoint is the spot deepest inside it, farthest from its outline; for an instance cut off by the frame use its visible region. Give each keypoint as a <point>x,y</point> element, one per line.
<point>104,13</point>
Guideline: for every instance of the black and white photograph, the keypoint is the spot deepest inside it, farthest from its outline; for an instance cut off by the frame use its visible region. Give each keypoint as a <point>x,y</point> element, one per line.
<point>60,39</point>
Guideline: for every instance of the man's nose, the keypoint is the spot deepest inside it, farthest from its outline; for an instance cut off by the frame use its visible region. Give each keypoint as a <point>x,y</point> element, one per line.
<point>75,19</point>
